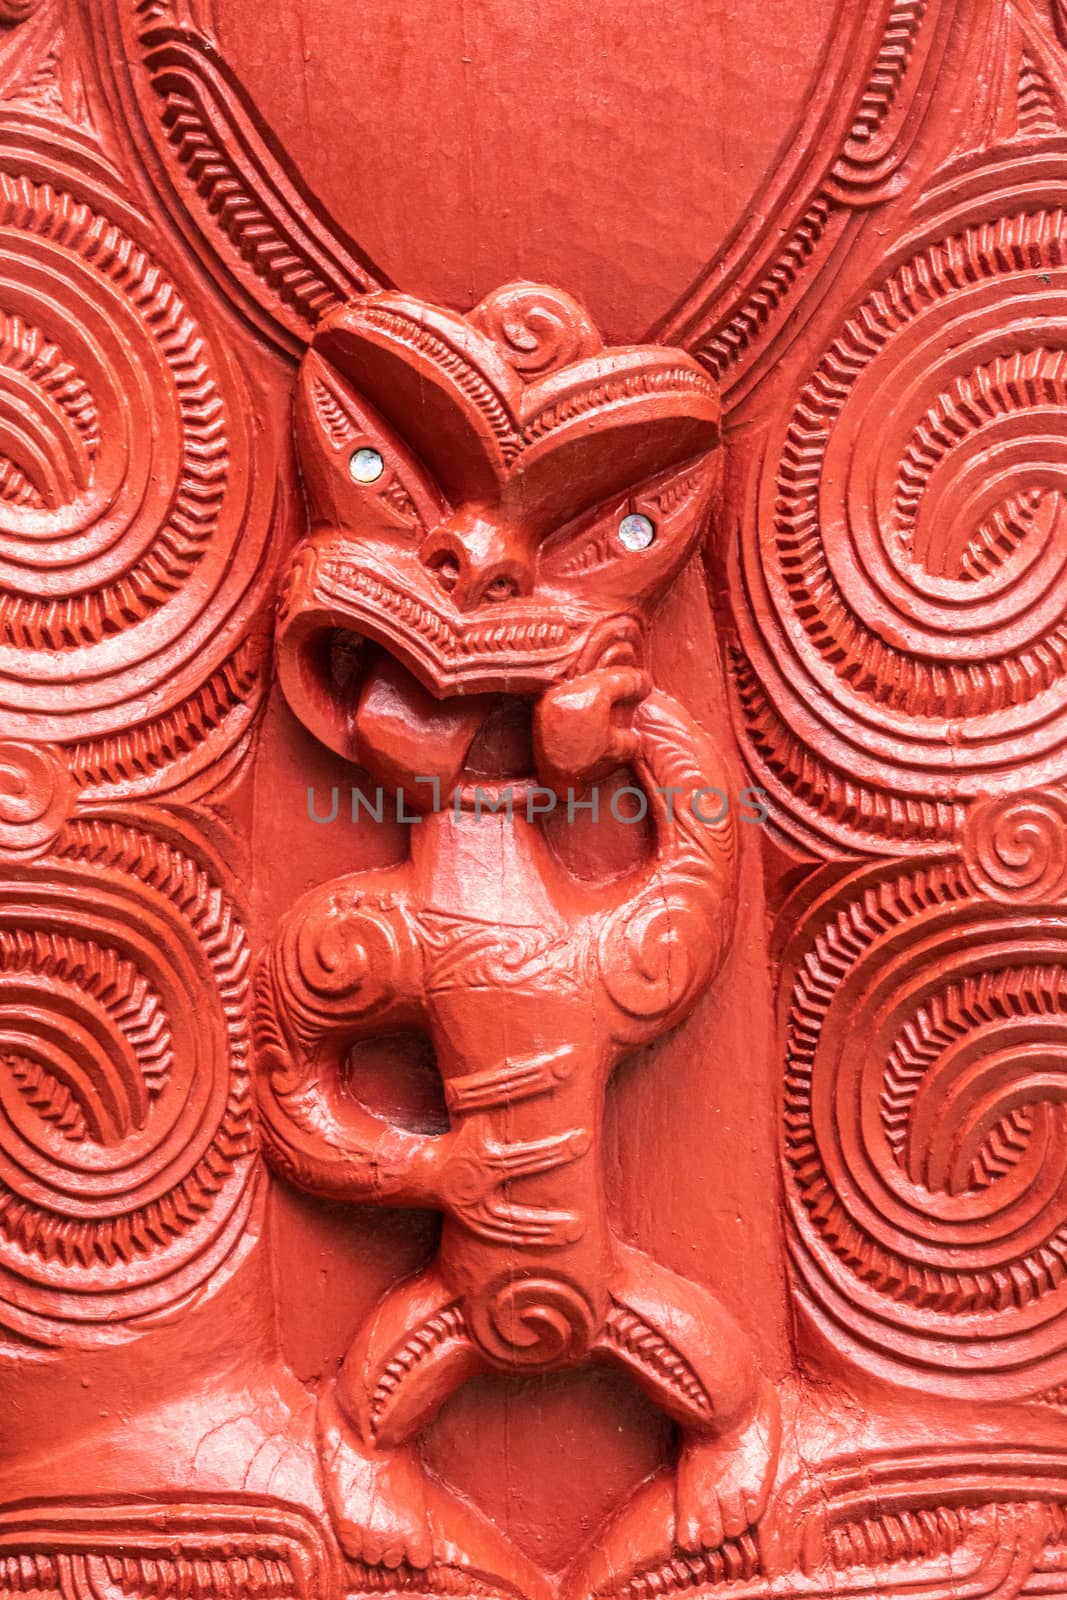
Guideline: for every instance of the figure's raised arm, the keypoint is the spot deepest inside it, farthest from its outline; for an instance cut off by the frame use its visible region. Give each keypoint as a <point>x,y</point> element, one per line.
<point>667,937</point>
<point>667,942</point>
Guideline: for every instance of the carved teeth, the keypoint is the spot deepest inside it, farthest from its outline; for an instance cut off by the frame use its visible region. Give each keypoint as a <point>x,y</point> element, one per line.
<point>448,640</point>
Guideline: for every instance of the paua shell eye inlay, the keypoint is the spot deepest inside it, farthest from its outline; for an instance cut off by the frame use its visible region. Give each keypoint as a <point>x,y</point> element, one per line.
<point>365,465</point>
<point>636,532</point>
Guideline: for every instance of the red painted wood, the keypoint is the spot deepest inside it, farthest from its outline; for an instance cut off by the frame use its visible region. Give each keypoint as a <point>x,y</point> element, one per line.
<point>608,150</point>
<point>409,412</point>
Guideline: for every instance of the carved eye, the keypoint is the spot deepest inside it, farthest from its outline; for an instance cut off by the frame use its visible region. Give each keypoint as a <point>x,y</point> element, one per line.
<point>636,532</point>
<point>365,465</point>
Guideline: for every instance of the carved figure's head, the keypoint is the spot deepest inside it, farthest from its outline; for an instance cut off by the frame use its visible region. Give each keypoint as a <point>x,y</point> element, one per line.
<point>497,501</point>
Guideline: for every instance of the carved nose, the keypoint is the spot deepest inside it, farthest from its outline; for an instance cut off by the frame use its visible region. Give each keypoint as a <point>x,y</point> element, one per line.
<point>477,561</point>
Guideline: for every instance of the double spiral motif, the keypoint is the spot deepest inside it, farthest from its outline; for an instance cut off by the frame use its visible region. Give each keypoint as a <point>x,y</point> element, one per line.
<point>1015,847</point>
<point>132,518</point>
<point>125,1113</point>
<point>655,956</point>
<point>911,544</point>
<point>344,963</point>
<point>344,955</point>
<point>537,328</point>
<point>926,1126</point>
<point>36,795</point>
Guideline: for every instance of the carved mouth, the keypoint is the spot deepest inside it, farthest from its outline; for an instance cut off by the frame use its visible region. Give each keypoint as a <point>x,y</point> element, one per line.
<point>402,733</point>
<point>380,672</point>
<point>451,655</point>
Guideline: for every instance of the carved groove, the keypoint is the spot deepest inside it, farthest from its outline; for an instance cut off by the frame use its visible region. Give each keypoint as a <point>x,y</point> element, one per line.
<point>734,1562</point>
<point>929,1534</point>
<point>890,67</point>
<point>161,744</point>
<point>649,1349</point>
<point>250,229</point>
<point>446,1327</point>
<point>986,1233</point>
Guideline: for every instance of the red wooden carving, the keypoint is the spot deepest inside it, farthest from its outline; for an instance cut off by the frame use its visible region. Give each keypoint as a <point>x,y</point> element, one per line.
<point>530,982</point>
<point>533,846</point>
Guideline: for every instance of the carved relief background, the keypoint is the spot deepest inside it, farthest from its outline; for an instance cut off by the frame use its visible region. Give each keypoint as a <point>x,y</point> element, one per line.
<point>454,1203</point>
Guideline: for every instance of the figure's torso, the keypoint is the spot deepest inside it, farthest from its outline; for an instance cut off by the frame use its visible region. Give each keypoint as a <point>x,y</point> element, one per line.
<point>525,1080</point>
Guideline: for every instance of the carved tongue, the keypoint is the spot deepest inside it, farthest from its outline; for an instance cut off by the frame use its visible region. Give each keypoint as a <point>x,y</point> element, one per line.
<point>403,733</point>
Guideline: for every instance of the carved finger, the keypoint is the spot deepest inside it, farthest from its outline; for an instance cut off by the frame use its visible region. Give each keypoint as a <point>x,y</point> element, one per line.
<point>582,729</point>
<point>629,685</point>
<point>735,1518</point>
<point>419,1550</point>
<point>704,1533</point>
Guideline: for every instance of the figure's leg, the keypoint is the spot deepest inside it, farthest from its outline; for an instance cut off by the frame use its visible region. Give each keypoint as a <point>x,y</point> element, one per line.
<point>686,1351</point>
<point>411,1355</point>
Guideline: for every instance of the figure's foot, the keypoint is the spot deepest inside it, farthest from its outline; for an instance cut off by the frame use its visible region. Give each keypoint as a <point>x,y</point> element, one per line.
<point>724,1481</point>
<point>377,1498</point>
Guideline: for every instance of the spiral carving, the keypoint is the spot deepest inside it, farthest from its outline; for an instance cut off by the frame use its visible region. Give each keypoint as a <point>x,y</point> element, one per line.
<point>913,550</point>
<point>536,327</point>
<point>125,1116</point>
<point>655,954</point>
<point>532,1322</point>
<point>345,966</point>
<point>132,521</point>
<point>1015,847</point>
<point>36,795</point>
<point>344,956</point>
<point>925,1123</point>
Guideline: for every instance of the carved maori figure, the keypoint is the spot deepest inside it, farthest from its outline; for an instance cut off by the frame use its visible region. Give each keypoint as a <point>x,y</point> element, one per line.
<point>486,544</point>
<point>497,504</point>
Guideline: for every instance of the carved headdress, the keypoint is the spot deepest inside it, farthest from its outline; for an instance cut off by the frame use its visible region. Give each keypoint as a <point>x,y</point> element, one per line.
<point>469,480</point>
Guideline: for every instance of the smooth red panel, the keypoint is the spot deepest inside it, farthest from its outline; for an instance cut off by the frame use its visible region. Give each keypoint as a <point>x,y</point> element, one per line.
<point>608,148</point>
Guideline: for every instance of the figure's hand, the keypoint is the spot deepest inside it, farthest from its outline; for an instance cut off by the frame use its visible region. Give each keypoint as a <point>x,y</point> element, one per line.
<point>583,729</point>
